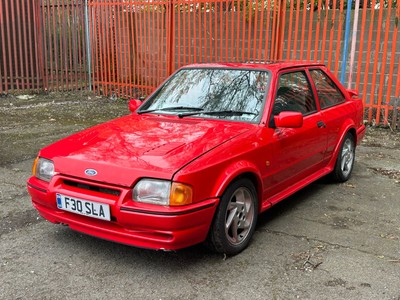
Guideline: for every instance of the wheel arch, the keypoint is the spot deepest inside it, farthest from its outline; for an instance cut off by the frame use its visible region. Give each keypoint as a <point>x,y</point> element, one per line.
<point>236,171</point>
<point>353,132</point>
<point>348,127</point>
<point>221,237</point>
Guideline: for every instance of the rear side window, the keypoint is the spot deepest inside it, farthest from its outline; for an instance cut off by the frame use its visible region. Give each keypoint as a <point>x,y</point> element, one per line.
<point>294,94</point>
<point>328,93</point>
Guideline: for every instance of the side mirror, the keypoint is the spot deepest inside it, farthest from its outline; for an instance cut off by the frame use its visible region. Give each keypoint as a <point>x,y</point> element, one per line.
<point>353,93</point>
<point>289,119</point>
<point>134,104</point>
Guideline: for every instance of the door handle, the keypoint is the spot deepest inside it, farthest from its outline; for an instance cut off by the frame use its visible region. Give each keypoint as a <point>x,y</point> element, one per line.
<point>321,124</point>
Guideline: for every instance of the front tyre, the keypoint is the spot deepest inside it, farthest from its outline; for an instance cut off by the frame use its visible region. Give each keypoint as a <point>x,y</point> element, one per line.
<point>235,220</point>
<point>345,161</point>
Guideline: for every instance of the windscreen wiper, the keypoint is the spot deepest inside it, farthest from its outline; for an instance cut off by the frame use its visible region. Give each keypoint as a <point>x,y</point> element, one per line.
<point>171,108</point>
<point>218,113</point>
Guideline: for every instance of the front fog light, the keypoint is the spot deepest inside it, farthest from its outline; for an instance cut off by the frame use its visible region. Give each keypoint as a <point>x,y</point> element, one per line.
<point>44,169</point>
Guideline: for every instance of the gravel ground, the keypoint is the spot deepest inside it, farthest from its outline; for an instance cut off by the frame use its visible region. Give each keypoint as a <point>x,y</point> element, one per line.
<point>328,241</point>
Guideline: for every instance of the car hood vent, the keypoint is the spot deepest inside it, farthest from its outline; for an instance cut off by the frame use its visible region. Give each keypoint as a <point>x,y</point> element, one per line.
<point>163,149</point>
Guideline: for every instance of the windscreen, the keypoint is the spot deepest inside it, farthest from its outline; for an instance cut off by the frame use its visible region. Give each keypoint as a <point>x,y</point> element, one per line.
<point>210,92</point>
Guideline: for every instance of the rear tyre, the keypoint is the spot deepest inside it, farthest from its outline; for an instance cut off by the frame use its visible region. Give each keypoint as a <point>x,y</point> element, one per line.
<point>235,220</point>
<point>345,160</point>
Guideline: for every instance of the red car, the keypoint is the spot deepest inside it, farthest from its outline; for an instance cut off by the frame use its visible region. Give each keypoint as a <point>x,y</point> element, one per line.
<point>214,146</point>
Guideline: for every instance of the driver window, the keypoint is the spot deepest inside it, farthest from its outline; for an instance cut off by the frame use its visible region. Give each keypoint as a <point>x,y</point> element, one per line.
<point>294,94</point>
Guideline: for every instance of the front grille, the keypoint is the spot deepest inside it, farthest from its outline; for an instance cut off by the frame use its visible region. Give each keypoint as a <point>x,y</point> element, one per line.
<point>92,188</point>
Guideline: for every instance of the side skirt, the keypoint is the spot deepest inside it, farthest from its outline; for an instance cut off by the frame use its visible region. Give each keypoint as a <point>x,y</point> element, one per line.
<point>267,203</point>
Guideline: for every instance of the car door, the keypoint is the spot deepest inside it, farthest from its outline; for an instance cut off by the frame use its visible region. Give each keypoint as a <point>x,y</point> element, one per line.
<point>298,152</point>
<point>333,107</point>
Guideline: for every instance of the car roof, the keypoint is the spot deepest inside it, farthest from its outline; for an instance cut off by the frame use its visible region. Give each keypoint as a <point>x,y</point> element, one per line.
<point>268,65</point>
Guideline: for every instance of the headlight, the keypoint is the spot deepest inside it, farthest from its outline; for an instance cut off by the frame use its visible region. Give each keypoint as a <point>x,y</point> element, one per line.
<point>162,192</point>
<point>152,191</point>
<point>43,169</point>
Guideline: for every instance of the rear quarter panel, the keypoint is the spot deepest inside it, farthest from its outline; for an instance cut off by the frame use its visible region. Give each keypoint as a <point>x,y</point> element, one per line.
<point>339,120</point>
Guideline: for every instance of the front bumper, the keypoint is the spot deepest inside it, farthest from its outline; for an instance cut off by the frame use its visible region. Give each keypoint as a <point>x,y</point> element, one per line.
<point>146,226</point>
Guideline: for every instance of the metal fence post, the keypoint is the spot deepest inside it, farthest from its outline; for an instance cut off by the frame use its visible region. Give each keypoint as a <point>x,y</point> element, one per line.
<point>346,41</point>
<point>88,45</point>
<point>171,38</point>
<point>395,113</point>
<point>353,43</point>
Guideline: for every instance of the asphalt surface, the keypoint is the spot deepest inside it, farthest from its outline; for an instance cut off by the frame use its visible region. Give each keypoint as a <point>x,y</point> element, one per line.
<point>328,241</point>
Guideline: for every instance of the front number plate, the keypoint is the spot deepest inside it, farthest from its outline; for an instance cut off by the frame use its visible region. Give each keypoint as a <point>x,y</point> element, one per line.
<point>84,207</point>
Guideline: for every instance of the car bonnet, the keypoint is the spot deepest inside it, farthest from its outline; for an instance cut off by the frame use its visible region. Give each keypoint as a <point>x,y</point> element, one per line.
<point>136,146</point>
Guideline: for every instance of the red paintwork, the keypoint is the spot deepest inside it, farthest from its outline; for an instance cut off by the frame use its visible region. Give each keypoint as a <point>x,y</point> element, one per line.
<point>206,154</point>
<point>353,93</point>
<point>134,104</point>
<point>289,119</point>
